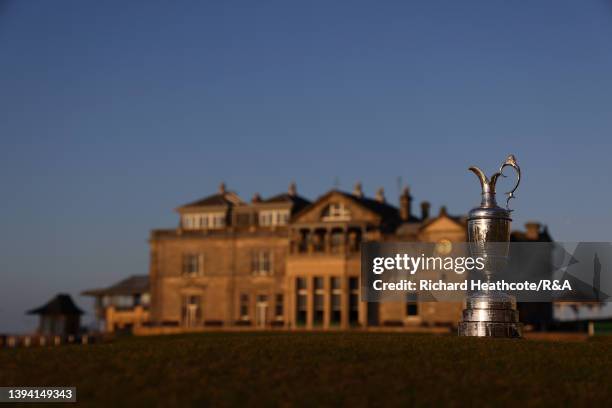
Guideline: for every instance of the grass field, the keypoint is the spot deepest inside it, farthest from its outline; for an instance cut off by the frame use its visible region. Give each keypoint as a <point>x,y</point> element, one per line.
<point>315,369</point>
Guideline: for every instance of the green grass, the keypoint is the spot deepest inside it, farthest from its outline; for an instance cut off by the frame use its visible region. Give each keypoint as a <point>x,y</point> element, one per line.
<point>314,369</point>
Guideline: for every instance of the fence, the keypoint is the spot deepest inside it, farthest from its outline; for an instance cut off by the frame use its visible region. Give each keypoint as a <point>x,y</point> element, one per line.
<point>35,340</point>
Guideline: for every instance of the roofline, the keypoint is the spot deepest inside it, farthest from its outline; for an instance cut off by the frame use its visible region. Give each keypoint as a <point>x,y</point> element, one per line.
<point>101,291</point>
<point>192,204</point>
<point>345,194</point>
<point>198,208</point>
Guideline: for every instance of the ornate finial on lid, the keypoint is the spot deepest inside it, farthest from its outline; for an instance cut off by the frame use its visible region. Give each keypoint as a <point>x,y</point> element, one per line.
<point>488,185</point>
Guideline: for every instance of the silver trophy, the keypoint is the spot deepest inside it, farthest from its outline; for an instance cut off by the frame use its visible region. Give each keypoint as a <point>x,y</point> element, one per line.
<point>491,313</point>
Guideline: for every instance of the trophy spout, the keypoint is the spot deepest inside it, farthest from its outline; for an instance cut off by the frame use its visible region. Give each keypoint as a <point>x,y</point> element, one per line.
<point>484,181</point>
<point>487,186</point>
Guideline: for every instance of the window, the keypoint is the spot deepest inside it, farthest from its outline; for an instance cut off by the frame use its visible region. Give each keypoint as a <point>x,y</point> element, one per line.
<point>412,307</point>
<point>218,220</point>
<point>282,218</point>
<point>303,242</point>
<point>279,307</point>
<point>336,301</point>
<point>244,306</point>
<point>204,220</point>
<point>337,241</point>
<point>123,302</point>
<point>187,222</point>
<point>302,301</point>
<point>336,212</point>
<point>273,217</point>
<point>193,265</point>
<point>191,310</point>
<point>319,301</point>
<point>354,240</point>
<point>261,263</point>
<point>353,301</point>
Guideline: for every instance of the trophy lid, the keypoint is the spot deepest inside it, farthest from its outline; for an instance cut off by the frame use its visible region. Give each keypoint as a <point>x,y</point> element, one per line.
<point>489,212</point>
<point>488,207</point>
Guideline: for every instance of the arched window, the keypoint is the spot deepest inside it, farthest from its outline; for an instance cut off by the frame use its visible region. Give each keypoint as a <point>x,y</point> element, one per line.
<point>336,212</point>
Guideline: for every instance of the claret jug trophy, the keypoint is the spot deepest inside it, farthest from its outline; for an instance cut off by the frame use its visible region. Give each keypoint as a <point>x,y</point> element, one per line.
<point>491,313</point>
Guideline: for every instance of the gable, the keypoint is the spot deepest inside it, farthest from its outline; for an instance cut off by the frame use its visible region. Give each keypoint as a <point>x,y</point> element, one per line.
<point>443,227</point>
<point>336,207</point>
<point>220,200</point>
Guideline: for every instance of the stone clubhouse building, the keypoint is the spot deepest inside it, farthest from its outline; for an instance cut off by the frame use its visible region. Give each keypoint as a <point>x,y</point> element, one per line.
<point>280,262</point>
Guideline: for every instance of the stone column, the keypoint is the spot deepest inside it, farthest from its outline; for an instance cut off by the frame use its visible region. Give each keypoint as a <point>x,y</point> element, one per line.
<point>290,302</point>
<point>109,319</point>
<point>310,241</point>
<point>138,316</point>
<point>309,302</point>
<point>344,299</point>
<point>288,308</point>
<point>363,314</point>
<point>326,301</point>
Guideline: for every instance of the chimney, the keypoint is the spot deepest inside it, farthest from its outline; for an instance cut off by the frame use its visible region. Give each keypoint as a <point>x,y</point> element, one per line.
<point>380,195</point>
<point>533,230</point>
<point>256,198</point>
<point>292,191</point>
<point>405,204</point>
<point>222,188</point>
<point>357,191</point>
<point>425,210</point>
<point>443,211</point>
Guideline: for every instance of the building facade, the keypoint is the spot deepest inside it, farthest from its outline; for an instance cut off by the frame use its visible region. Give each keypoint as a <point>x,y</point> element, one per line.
<point>287,262</point>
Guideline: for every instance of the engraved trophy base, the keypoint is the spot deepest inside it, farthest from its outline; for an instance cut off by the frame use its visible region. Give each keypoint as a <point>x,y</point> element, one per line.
<point>490,314</point>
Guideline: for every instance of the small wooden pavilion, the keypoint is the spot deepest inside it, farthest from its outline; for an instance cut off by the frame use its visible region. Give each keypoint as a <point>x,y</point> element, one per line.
<point>58,317</point>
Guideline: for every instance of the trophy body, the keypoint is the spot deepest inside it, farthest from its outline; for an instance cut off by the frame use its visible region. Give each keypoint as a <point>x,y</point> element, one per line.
<point>491,313</point>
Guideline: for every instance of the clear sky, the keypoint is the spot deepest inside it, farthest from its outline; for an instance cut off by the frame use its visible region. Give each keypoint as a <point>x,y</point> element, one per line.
<point>115,112</point>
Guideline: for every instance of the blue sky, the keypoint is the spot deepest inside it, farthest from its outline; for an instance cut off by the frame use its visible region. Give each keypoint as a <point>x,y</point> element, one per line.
<point>113,113</point>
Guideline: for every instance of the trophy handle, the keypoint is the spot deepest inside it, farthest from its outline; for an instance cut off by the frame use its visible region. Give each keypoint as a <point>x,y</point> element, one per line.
<point>511,162</point>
